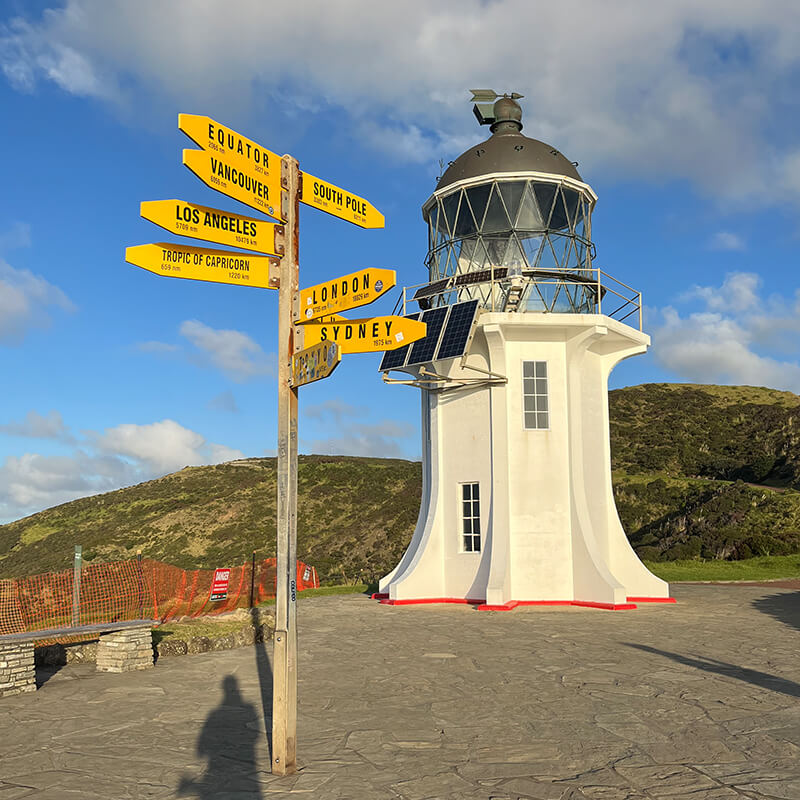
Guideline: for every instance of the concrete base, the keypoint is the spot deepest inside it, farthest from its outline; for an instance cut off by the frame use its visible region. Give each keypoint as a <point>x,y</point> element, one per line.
<point>17,673</point>
<point>125,651</point>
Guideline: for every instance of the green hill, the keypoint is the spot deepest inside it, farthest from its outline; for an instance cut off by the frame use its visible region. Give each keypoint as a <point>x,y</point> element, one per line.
<point>355,517</point>
<point>699,471</point>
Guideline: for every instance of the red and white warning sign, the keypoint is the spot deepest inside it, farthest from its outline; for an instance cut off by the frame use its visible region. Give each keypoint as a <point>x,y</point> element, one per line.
<point>219,585</point>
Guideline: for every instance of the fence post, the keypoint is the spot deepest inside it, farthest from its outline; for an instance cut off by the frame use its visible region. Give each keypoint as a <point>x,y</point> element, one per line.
<point>76,586</point>
<point>252,577</point>
<point>141,583</point>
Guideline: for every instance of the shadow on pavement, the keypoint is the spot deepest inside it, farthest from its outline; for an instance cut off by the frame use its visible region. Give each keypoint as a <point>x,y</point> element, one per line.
<point>228,740</point>
<point>784,606</point>
<point>762,679</point>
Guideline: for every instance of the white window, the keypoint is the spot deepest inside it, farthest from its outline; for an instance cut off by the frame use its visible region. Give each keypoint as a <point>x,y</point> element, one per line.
<point>470,518</point>
<point>534,395</point>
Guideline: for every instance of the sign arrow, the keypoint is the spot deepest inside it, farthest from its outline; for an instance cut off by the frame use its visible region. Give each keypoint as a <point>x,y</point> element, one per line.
<point>365,335</point>
<point>349,291</point>
<point>238,179</point>
<point>200,264</point>
<point>339,202</point>
<point>213,225</point>
<point>315,362</point>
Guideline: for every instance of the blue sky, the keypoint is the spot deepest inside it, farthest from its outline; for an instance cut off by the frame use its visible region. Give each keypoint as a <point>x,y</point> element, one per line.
<point>684,120</point>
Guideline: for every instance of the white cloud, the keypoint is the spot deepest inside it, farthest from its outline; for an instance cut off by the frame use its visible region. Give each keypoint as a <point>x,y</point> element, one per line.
<point>224,401</point>
<point>36,426</point>
<point>23,300</point>
<point>157,347</point>
<point>384,439</point>
<point>119,456</point>
<point>687,90</point>
<point>739,292</point>
<point>734,339</point>
<point>18,234</point>
<point>335,408</point>
<point>725,240</point>
<point>161,446</point>
<point>234,352</point>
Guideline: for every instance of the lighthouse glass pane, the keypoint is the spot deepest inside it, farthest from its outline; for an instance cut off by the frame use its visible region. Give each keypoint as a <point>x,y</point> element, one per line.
<point>470,519</point>
<point>449,211</point>
<point>545,192</point>
<point>496,218</point>
<point>529,217</point>
<point>511,192</point>
<point>535,403</point>
<point>571,198</point>
<point>478,198</point>
<point>558,219</point>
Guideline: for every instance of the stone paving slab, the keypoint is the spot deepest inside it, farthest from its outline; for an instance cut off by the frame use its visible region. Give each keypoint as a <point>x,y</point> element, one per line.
<point>700,700</point>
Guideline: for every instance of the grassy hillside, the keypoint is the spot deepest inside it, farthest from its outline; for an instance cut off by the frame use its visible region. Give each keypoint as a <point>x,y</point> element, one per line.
<point>355,516</point>
<point>722,432</point>
<point>686,459</point>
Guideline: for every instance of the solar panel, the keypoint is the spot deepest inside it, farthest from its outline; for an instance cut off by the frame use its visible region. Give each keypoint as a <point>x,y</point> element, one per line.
<point>481,276</point>
<point>456,334</point>
<point>449,329</point>
<point>392,359</point>
<point>431,288</point>
<point>423,349</point>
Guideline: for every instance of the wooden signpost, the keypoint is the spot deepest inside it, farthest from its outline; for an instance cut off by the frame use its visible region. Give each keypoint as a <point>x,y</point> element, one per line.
<point>311,334</point>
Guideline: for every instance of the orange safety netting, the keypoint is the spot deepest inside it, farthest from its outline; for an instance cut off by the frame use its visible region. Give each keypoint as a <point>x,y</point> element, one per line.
<point>136,589</point>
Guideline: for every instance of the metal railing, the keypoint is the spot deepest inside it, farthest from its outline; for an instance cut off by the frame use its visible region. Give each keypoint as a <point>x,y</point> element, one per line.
<point>581,291</point>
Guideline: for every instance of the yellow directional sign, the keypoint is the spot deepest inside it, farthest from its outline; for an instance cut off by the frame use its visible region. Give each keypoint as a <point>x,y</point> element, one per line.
<point>213,225</point>
<point>315,362</point>
<point>237,179</point>
<point>365,335</point>
<point>340,203</point>
<point>349,291</point>
<point>210,135</point>
<point>199,264</point>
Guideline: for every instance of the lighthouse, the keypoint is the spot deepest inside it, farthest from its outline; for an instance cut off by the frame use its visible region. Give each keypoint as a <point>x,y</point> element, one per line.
<point>523,330</point>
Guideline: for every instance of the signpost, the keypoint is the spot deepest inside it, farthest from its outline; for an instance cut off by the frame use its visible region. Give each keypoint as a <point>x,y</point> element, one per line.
<point>213,225</point>
<point>200,264</point>
<point>245,171</point>
<point>371,335</point>
<point>349,291</point>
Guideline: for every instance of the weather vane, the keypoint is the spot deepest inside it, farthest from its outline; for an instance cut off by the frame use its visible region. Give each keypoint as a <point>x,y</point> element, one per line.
<point>484,104</point>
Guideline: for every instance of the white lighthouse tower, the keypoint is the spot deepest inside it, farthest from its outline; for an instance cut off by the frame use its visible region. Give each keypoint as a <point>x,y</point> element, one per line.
<point>523,332</point>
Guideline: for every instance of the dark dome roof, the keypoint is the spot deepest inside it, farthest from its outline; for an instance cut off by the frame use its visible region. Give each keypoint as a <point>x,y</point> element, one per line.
<point>508,151</point>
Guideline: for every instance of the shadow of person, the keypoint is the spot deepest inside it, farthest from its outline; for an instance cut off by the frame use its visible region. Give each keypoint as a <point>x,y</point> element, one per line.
<point>783,606</point>
<point>228,740</point>
<point>763,679</point>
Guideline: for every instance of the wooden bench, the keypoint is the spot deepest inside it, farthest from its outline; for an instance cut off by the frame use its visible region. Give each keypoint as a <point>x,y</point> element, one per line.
<point>121,647</point>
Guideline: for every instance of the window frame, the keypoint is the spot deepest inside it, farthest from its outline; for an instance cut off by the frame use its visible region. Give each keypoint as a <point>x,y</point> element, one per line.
<point>536,395</point>
<point>473,518</point>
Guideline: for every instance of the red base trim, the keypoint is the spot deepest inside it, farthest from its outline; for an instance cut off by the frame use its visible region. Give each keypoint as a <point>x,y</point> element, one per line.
<point>379,596</point>
<point>428,600</point>
<point>512,604</point>
<point>652,600</point>
<point>384,600</point>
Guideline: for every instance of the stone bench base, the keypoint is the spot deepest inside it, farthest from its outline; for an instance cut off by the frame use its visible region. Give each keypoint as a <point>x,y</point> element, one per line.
<point>17,673</point>
<point>117,651</point>
<point>125,651</point>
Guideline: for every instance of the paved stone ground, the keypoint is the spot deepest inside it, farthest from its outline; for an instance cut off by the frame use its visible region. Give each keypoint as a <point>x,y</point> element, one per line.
<point>698,700</point>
